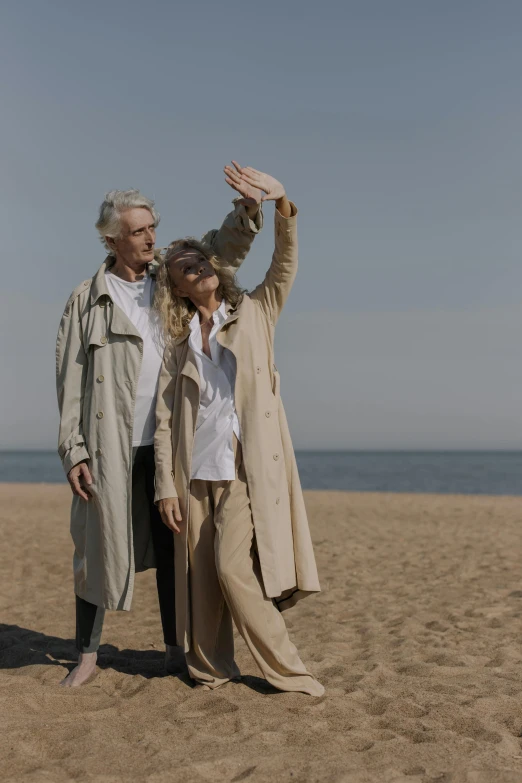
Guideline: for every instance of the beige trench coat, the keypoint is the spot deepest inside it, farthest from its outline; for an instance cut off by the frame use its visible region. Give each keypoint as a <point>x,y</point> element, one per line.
<point>281,526</point>
<point>98,360</point>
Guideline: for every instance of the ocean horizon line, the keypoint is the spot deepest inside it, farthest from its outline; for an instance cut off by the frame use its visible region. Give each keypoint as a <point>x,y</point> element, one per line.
<point>455,471</point>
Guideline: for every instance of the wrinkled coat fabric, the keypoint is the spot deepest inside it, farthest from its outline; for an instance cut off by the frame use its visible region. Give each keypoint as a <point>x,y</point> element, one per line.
<point>98,360</point>
<point>282,533</point>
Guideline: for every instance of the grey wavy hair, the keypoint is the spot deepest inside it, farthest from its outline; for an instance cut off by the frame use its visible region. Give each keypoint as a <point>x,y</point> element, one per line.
<point>115,201</point>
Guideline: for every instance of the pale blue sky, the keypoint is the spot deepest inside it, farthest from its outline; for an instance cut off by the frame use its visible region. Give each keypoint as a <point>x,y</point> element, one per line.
<point>395,126</point>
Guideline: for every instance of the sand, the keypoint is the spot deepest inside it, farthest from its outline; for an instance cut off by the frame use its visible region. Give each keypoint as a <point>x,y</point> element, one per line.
<point>416,637</point>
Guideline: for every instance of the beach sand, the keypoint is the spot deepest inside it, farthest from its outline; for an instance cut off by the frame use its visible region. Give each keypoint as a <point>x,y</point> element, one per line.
<point>417,637</point>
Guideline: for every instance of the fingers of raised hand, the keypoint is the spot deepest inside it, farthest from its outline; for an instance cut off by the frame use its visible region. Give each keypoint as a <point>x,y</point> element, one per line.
<point>237,166</point>
<point>251,171</point>
<point>233,179</point>
<point>248,173</point>
<point>242,188</point>
<point>231,182</point>
<point>229,172</point>
<point>247,186</point>
<point>253,180</point>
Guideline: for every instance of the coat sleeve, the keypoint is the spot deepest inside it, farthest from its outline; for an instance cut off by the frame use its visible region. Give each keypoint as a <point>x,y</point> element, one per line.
<point>165,486</point>
<point>71,374</point>
<point>273,292</point>
<point>233,240</point>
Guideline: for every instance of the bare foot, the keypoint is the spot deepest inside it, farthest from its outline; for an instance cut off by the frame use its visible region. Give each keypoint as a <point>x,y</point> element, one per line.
<point>83,673</point>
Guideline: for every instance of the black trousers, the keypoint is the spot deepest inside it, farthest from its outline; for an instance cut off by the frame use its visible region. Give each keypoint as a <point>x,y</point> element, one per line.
<point>89,618</point>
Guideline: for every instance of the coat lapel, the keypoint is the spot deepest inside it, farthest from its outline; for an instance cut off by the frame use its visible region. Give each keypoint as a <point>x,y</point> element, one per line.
<point>225,336</point>
<point>101,298</point>
<point>190,369</point>
<point>120,324</point>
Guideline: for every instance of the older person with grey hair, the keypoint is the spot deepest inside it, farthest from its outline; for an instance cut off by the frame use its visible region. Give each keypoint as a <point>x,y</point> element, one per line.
<point>108,358</point>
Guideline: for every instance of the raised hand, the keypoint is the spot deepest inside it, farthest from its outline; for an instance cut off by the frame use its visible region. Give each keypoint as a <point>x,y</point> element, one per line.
<point>234,179</point>
<point>257,179</point>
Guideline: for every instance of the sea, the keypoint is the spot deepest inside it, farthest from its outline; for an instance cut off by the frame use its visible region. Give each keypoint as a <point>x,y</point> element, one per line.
<point>441,472</point>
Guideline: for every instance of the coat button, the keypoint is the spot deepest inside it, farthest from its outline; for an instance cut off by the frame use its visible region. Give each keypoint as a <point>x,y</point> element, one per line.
<point>276,457</point>
<point>258,370</point>
<point>86,282</point>
<point>100,379</point>
<point>267,414</point>
<point>99,415</point>
<point>98,453</point>
<point>277,501</point>
<point>103,340</point>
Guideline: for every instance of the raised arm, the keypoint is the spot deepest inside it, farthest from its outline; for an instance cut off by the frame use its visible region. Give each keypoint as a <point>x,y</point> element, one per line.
<point>233,240</point>
<point>71,373</point>
<point>273,292</point>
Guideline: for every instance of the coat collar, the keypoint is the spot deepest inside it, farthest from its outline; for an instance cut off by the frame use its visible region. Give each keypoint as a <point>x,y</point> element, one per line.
<point>231,313</point>
<point>119,323</point>
<point>223,336</point>
<point>99,285</point>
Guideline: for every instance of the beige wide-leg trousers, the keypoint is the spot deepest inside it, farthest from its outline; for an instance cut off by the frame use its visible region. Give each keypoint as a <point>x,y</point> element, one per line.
<point>225,584</point>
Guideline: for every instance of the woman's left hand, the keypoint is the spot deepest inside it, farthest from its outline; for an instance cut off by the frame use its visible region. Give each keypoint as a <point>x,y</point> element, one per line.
<point>271,187</point>
<point>233,176</point>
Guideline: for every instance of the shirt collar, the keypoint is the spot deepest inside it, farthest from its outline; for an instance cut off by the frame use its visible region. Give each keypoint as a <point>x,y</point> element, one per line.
<point>219,317</point>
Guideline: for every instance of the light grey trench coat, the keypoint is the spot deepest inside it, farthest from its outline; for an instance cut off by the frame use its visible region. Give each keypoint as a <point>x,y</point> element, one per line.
<point>281,526</point>
<point>98,360</point>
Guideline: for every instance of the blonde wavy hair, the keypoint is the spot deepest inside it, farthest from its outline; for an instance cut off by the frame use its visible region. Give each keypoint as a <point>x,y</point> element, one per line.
<point>176,312</point>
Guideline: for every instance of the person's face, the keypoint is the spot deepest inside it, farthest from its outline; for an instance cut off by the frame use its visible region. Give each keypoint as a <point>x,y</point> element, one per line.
<point>192,275</point>
<point>135,244</point>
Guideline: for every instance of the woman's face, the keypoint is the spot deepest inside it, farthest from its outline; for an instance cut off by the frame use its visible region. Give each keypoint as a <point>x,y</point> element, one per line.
<point>192,275</point>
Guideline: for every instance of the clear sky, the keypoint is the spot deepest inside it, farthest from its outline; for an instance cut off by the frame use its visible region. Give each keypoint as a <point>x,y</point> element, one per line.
<point>396,127</point>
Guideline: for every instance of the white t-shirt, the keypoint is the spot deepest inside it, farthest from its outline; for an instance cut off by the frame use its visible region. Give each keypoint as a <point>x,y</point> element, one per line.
<point>135,299</point>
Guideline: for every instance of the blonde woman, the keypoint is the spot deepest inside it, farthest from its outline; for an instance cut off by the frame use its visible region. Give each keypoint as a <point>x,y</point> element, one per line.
<point>226,477</point>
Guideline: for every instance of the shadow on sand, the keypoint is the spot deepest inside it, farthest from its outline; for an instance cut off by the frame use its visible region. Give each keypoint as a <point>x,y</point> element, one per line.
<point>21,647</point>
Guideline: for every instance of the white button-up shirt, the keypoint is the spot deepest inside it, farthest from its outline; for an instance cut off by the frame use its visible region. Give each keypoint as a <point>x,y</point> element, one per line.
<point>217,422</point>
